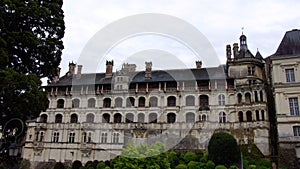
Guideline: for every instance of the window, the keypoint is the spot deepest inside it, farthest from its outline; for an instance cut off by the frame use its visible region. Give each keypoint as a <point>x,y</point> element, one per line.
<point>248,98</point>
<point>152,118</point>
<point>129,118</point>
<point>117,118</point>
<point>86,137</point>
<point>75,103</point>
<point>89,139</point>
<point>296,130</point>
<point>171,101</point>
<point>58,118</point>
<point>90,118</point>
<point>105,118</point>
<point>257,115</point>
<point>203,117</point>
<point>290,75</point>
<point>55,137</point>
<point>118,102</point>
<point>116,138</point>
<point>130,102</point>
<point>84,140</point>
<point>249,116</point>
<point>141,118</point>
<point>263,115</point>
<point>60,103</point>
<point>239,98</point>
<point>119,87</point>
<point>43,118</point>
<point>255,96</point>
<point>41,136</point>
<point>72,137</point>
<point>153,102</point>
<point>37,136</point>
<point>241,118</point>
<point>261,94</point>
<point>107,102</point>
<point>221,98</point>
<point>222,117</point>
<point>251,70</point>
<point>74,118</point>
<point>294,106</point>
<point>171,118</point>
<point>203,102</point>
<point>141,102</point>
<point>91,103</point>
<point>190,117</point>
<point>104,138</point>
<point>190,101</point>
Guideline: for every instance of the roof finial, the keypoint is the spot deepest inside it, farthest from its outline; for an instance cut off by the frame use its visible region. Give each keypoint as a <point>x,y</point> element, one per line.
<point>242,30</point>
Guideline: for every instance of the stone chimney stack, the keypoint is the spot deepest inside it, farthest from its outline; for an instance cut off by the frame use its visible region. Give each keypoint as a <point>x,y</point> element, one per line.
<point>72,68</point>
<point>56,77</point>
<point>198,64</point>
<point>78,75</point>
<point>148,70</point>
<point>228,52</point>
<point>235,50</point>
<point>109,69</point>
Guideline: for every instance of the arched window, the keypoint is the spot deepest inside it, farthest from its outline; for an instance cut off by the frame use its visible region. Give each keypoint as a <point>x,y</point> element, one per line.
<point>118,102</point>
<point>117,118</point>
<point>249,116</point>
<point>90,118</point>
<point>203,102</point>
<point>142,102</point>
<point>171,118</point>
<point>241,118</point>
<point>263,115</point>
<point>261,94</point>
<point>91,103</point>
<point>257,115</point>
<point>153,102</point>
<point>72,137</point>
<point>75,103</point>
<point>248,98</point>
<point>171,101</point>
<point>239,98</point>
<point>58,118</point>
<point>60,103</point>
<point>204,117</point>
<point>84,137</point>
<point>129,118</point>
<point>130,102</point>
<point>190,101</point>
<point>104,138</point>
<point>141,118</point>
<point>152,118</point>
<point>116,137</point>
<point>255,96</point>
<point>105,118</point>
<point>221,99</point>
<point>89,138</point>
<point>74,118</point>
<point>107,102</point>
<point>190,117</point>
<point>44,118</point>
<point>222,117</point>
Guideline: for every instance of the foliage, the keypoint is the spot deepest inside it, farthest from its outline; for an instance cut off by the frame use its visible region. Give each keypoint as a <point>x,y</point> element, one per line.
<point>76,164</point>
<point>173,159</point>
<point>264,163</point>
<point>233,167</point>
<point>189,156</point>
<point>181,166</point>
<point>252,166</point>
<point>223,149</point>
<point>59,165</point>
<point>199,154</point>
<point>210,165</point>
<point>220,167</point>
<point>195,165</point>
<point>101,165</point>
<point>204,158</point>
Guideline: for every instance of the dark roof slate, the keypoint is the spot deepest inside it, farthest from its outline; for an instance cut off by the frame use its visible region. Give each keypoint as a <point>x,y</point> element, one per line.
<point>290,44</point>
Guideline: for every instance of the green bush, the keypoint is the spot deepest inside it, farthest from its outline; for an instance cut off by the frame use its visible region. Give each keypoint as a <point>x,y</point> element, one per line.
<point>59,165</point>
<point>189,156</point>
<point>204,158</point>
<point>233,167</point>
<point>101,165</point>
<point>181,166</point>
<point>252,166</point>
<point>76,164</point>
<point>210,165</point>
<point>223,149</point>
<point>199,154</point>
<point>264,163</point>
<point>220,167</point>
<point>194,165</point>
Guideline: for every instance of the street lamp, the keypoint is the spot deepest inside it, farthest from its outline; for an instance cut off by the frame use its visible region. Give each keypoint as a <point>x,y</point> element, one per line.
<point>13,150</point>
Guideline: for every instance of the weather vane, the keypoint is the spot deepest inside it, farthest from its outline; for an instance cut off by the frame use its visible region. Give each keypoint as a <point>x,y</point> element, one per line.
<point>242,30</point>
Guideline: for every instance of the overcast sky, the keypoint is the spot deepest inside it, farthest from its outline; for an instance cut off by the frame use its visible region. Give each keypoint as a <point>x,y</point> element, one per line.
<point>221,22</point>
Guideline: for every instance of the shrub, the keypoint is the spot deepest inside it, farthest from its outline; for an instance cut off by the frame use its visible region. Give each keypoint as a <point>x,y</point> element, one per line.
<point>204,158</point>
<point>76,164</point>
<point>223,149</point>
<point>233,167</point>
<point>252,166</point>
<point>101,165</point>
<point>189,156</point>
<point>59,165</point>
<point>199,154</point>
<point>194,165</point>
<point>210,165</point>
<point>264,163</point>
<point>181,166</point>
<point>220,167</point>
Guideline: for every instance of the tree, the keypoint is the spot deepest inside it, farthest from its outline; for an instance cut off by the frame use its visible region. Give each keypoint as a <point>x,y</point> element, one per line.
<point>59,165</point>
<point>76,164</point>
<point>31,33</point>
<point>189,156</point>
<point>223,149</point>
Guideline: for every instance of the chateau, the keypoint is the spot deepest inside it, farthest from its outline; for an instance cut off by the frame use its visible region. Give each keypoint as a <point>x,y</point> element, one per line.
<point>93,116</point>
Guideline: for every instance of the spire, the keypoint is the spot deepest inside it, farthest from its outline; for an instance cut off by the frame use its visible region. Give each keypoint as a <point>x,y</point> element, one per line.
<point>258,55</point>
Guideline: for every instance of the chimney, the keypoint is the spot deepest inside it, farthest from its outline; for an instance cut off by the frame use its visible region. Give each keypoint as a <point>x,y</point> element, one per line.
<point>235,50</point>
<point>228,52</point>
<point>198,64</point>
<point>148,70</point>
<point>57,74</point>
<point>78,75</point>
<point>109,68</point>
<point>72,68</point>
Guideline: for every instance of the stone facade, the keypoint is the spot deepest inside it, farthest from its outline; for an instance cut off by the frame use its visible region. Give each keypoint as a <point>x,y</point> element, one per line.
<point>92,116</point>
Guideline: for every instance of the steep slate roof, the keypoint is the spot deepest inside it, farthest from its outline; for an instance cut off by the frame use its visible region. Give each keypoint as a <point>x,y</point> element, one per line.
<point>290,44</point>
<point>139,76</point>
